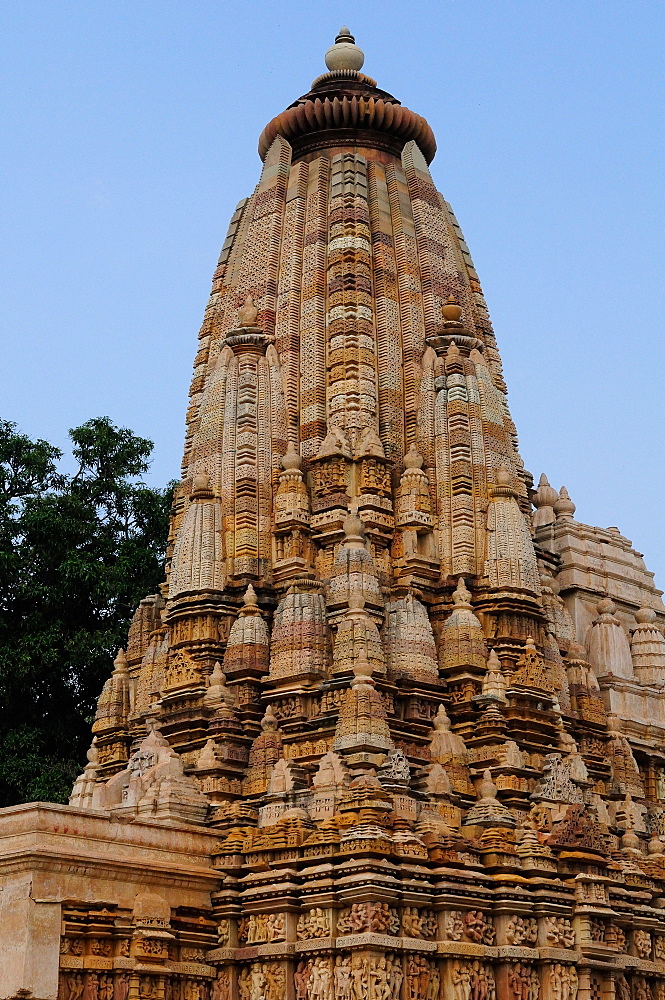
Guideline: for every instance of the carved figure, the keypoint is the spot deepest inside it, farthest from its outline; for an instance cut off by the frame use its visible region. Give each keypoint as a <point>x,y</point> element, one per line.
<point>563,982</point>
<point>642,942</point>
<point>105,988</point>
<point>342,978</point>
<point>313,924</point>
<point>75,986</point>
<point>461,980</point>
<point>359,979</point>
<point>522,930</point>
<point>454,925</point>
<point>91,991</point>
<point>559,932</point>
<point>221,987</point>
<point>478,927</point>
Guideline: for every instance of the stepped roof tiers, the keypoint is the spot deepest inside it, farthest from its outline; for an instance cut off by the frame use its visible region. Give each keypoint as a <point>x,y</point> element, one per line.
<point>395,726</point>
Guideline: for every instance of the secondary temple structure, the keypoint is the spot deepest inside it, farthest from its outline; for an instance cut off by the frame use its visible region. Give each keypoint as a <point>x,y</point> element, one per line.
<point>394,728</point>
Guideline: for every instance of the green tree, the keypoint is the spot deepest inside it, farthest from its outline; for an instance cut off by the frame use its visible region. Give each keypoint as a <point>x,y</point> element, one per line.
<point>77,553</point>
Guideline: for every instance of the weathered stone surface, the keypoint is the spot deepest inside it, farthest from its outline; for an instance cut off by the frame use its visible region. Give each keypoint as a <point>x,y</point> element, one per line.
<point>386,732</point>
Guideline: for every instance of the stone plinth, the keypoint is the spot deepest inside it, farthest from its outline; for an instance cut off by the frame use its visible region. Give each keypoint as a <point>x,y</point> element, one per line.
<point>51,855</point>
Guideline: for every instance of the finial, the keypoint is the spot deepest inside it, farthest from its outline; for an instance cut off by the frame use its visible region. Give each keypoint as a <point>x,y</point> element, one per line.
<point>218,694</point>
<point>250,599</point>
<point>362,671</point>
<point>248,313</point>
<point>576,653</point>
<point>345,54</point>
<point>451,311</point>
<point>503,476</point>
<point>120,662</point>
<point>269,723</point>
<point>441,721</point>
<point>530,646</point>
<point>353,527</point>
<point>453,350</point>
<point>493,662</point>
<point>564,508</point>
<point>645,616</point>
<point>655,845</point>
<point>545,495</point>
<point>200,486</point>
<point>413,459</point>
<point>606,606</point>
<point>291,459</point>
<point>461,594</point>
<point>487,789</point>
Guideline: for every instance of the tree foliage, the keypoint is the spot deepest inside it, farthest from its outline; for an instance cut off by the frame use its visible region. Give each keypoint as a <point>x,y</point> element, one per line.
<point>77,553</point>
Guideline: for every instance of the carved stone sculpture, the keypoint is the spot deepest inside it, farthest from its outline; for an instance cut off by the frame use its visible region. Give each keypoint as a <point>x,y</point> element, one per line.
<point>384,733</point>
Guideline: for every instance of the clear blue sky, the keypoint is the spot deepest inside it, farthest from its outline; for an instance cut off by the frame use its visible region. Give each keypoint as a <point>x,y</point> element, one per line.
<point>129,132</point>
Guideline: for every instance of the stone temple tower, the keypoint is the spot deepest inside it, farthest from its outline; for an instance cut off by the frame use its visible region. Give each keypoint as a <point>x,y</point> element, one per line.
<point>394,729</point>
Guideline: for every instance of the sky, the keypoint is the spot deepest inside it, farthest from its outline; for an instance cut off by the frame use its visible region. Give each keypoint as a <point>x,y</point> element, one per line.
<point>128,133</point>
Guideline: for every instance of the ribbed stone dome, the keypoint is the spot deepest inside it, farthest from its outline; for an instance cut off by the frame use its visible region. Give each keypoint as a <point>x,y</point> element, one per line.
<point>345,107</point>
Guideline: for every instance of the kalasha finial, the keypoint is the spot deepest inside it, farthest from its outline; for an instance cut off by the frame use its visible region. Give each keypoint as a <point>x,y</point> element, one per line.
<point>291,459</point>
<point>120,663</point>
<point>345,54</point>
<point>564,508</point>
<point>250,599</point>
<point>362,671</point>
<point>248,313</point>
<point>503,476</point>
<point>441,721</point>
<point>413,459</point>
<point>451,311</point>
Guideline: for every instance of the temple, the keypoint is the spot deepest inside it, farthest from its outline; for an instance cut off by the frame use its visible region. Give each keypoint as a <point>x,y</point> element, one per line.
<point>394,726</point>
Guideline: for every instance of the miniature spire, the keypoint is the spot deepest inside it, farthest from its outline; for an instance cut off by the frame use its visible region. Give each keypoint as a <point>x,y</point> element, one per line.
<point>218,694</point>
<point>488,811</point>
<point>113,704</point>
<point>462,634</point>
<point>510,558</point>
<point>265,752</point>
<point>494,682</point>
<point>362,735</point>
<point>354,568</point>
<point>85,785</point>
<point>198,562</point>
<point>409,640</point>
<point>247,646</point>
<point>345,54</point>
<point>530,671</point>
